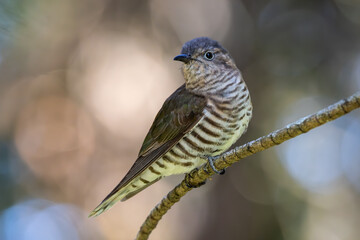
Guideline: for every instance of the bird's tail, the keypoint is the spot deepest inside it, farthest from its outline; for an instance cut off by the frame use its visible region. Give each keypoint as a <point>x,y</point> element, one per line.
<point>109,201</point>
<point>122,194</point>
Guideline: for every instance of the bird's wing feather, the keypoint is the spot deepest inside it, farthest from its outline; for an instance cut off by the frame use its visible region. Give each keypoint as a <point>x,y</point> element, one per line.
<point>178,115</point>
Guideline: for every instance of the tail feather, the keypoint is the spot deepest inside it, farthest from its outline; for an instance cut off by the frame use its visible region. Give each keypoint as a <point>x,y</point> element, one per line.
<point>121,194</point>
<point>107,203</point>
<point>136,191</point>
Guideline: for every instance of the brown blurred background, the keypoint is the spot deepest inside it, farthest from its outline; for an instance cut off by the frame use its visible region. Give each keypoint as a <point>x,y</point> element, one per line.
<point>81,81</point>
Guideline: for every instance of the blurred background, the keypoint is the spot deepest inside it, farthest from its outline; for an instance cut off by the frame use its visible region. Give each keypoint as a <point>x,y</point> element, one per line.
<point>81,82</point>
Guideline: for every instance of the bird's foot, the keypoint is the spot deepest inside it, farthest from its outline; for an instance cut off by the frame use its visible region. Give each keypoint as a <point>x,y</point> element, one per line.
<point>211,162</point>
<point>188,178</point>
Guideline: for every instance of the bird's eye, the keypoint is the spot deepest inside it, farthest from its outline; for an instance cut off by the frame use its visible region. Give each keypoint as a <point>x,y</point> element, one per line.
<point>209,55</point>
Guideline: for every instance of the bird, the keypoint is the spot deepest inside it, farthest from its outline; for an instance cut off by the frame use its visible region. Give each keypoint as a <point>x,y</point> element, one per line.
<point>202,119</point>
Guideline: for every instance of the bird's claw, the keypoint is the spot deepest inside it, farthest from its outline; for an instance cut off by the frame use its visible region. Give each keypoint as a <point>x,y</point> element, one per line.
<point>194,186</point>
<point>211,162</point>
<point>187,180</point>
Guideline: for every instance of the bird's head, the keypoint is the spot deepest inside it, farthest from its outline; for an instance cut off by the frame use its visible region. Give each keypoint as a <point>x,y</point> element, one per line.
<point>204,60</point>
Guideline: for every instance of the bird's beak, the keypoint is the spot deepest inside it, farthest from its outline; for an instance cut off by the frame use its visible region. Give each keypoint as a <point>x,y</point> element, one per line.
<point>183,58</point>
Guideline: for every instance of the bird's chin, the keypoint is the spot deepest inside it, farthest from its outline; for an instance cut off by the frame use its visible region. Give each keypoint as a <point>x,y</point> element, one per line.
<point>188,67</point>
<point>186,72</point>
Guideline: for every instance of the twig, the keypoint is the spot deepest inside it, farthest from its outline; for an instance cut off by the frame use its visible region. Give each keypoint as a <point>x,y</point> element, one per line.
<point>198,176</point>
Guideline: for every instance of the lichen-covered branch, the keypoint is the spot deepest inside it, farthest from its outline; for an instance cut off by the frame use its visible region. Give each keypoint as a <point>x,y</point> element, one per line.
<point>198,176</point>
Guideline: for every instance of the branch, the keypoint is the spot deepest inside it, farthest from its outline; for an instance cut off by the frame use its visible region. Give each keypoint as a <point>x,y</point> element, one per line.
<point>198,176</point>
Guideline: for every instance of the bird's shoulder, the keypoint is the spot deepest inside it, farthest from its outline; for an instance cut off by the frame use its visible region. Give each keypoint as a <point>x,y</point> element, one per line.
<point>179,113</point>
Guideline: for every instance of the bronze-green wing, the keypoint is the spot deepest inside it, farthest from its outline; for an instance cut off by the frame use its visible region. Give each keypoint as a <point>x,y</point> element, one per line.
<point>178,115</point>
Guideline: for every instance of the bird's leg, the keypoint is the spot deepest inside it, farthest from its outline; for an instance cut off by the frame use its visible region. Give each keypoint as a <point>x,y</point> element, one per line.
<point>211,162</point>
<point>190,175</point>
